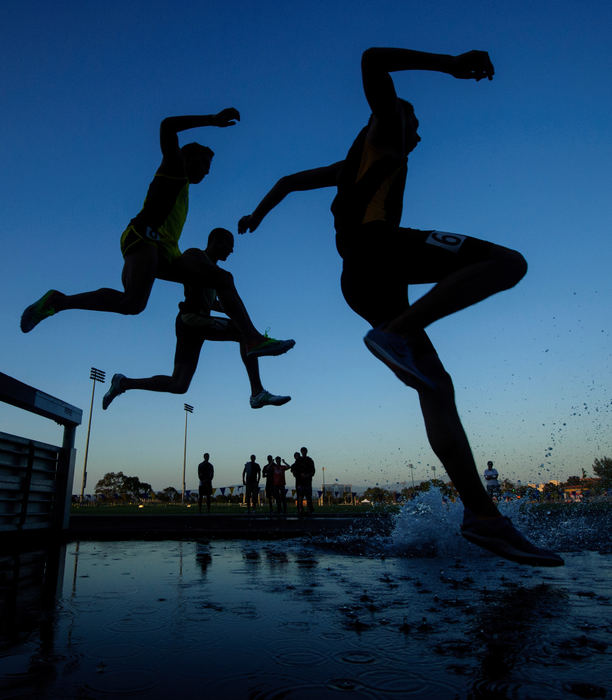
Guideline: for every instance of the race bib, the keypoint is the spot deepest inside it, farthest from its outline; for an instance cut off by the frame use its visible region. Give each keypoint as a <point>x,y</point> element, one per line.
<point>443,239</point>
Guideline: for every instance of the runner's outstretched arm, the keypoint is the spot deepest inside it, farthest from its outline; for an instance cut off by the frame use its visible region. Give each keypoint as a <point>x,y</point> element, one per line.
<point>170,126</point>
<point>377,63</point>
<point>304,180</point>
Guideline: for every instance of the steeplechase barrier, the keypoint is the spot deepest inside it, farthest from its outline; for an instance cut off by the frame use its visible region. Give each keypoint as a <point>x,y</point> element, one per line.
<point>35,477</point>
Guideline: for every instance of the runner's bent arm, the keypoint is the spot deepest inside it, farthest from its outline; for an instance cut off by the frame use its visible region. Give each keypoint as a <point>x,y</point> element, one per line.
<point>304,180</point>
<point>377,63</point>
<point>217,306</point>
<point>170,126</point>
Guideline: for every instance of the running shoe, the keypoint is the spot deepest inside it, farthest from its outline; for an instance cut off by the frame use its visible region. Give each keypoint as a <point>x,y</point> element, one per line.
<point>114,390</point>
<point>396,353</point>
<point>499,536</point>
<point>270,346</point>
<point>38,311</point>
<point>265,398</point>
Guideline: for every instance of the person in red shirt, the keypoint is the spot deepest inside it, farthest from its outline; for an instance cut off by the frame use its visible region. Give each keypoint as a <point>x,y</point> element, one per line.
<point>279,485</point>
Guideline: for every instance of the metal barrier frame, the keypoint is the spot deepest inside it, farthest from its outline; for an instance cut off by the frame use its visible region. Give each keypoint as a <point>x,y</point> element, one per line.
<point>16,393</point>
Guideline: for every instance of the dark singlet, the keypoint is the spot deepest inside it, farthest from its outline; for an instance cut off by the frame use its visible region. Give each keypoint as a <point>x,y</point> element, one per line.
<point>199,300</point>
<point>163,214</point>
<point>370,188</point>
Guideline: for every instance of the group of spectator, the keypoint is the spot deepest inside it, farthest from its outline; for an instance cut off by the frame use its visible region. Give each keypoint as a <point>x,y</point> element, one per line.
<point>302,469</point>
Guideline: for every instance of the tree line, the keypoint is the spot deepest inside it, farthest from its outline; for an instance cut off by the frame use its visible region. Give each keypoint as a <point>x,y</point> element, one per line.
<point>117,486</point>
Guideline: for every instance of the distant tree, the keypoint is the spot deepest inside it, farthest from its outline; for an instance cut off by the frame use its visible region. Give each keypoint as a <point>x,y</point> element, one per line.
<point>603,469</point>
<point>573,480</point>
<point>110,484</point>
<point>408,493</point>
<point>168,494</point>
<point>551,491</point>
<point>114,484</point>
<point>378,495</point>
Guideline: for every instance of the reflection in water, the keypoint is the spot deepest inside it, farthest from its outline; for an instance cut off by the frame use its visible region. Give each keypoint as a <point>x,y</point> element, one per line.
<point>272,620</point>
<point>513,625</point>
<point>30,581</point>
<point>203,556</point>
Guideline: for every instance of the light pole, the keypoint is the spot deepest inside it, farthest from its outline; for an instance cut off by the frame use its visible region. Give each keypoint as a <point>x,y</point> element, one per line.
<point>188,409</point>
<point>411,467</point>
<point>323,494</point>
<point>98,376</point>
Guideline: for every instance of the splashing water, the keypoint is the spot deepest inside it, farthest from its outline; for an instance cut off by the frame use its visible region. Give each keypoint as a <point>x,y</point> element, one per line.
<point>429,526</point>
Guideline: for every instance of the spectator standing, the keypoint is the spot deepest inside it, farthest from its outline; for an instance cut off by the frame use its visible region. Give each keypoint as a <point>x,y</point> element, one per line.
<point>206,473</point>
<point>280,485</point>
<point>268,475</point>
<point>491,482</point>
<point>305,470</point>
<point>251,474</point>
<point>294,471</point>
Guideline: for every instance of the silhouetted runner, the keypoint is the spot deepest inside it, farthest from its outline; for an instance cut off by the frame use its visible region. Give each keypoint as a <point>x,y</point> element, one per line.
<point>150,242</point>
<point>195,324</point>
<point>380,260</point>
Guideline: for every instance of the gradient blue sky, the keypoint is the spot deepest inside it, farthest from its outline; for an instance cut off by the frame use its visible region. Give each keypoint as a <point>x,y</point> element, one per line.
<point>523,160</point>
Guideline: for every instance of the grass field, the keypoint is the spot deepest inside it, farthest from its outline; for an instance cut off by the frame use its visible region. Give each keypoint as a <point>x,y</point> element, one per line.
<point>237,509</point>
<point>217,509</point>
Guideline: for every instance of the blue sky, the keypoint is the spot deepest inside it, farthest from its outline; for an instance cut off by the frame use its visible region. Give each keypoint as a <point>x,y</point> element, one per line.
<point>523,161</point>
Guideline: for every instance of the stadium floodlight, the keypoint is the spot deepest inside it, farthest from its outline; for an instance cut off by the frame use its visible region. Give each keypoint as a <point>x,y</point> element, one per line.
<point>97,375</point>
<point>188,409</point>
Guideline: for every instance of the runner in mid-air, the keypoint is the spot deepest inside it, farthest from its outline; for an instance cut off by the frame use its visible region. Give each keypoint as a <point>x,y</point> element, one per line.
<point>195,324</point>
<point>380,260</point>
<point>150,242</point>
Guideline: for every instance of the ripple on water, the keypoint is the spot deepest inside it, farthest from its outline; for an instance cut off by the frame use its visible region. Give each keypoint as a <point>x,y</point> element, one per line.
<point>22,675</point>
<point>111,651</point>
<point>348,685</point>
<point>138,623</point>
<point>297,624</point>
<point>123,683</point>
<point>405,684</point>
<point>355,657</point>
<point>259,686</point>
<point>515,690</point>
<point>116,595</point>
<point>333,636</point>
<point>301,657</point>
<point>15,671</point>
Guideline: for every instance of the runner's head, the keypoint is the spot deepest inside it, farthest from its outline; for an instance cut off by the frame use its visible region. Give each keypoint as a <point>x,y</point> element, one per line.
<point>197,161</point>
<point>220,244</point>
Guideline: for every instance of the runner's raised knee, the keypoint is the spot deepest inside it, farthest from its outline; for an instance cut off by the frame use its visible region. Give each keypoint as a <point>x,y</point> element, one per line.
<point>133,307</point>
<point>515,267</point>
<point>510,268</point>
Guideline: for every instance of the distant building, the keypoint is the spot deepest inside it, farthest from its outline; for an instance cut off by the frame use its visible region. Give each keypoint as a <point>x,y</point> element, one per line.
<point>576,492</point>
